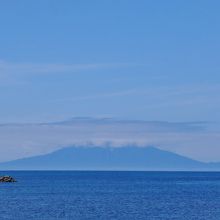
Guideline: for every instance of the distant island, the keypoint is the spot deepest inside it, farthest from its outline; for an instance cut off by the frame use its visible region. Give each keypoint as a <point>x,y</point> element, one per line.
<point>110,158</point>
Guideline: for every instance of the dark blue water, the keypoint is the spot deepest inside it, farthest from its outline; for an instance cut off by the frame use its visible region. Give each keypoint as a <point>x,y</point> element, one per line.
<point>111,195</point>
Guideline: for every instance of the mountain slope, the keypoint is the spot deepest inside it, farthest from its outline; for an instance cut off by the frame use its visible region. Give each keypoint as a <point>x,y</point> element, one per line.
<point>107,158</point>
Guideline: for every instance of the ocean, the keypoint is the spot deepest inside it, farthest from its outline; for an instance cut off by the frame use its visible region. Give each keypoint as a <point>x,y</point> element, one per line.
<point>110,195</point>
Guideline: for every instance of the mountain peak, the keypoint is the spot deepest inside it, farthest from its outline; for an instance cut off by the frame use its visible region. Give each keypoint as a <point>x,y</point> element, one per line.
<point>109,158</point>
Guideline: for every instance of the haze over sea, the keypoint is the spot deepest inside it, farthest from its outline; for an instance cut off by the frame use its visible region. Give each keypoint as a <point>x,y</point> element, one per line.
<point>79,195</point>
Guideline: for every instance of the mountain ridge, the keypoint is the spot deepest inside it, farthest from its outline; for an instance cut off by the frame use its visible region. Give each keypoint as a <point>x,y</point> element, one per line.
<point>110,158</point>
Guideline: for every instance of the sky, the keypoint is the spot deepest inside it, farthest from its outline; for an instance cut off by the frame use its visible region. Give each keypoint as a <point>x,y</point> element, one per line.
<point>142,60</point>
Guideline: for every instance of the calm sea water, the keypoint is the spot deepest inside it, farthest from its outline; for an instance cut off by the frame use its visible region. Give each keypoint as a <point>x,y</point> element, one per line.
<point>111,195</point>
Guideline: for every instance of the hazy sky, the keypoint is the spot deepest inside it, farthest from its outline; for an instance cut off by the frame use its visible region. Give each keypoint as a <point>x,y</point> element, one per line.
<point>145,59</point>
<point>196,140</point>
<point>150,60</point>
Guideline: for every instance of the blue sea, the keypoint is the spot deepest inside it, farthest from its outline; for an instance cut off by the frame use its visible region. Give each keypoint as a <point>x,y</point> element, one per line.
<point>110,195</point>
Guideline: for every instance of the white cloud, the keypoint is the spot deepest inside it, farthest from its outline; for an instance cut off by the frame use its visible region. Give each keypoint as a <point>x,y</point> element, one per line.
<point>46,68</point>
<point>159,97</point>
<point>189,139</point>
<point>17,73</point>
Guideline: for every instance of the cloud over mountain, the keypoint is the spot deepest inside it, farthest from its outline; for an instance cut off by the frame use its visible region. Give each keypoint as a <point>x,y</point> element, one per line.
<point>193,139</point>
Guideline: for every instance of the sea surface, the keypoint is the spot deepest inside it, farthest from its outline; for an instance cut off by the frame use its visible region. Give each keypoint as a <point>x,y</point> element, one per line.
<point>110,195</point>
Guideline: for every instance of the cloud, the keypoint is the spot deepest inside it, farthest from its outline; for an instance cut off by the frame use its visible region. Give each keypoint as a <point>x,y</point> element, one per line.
<point>46,68</point>
<point>17,73</point>
<point>193,139</point>
<point>158,97</point>
<point>99,96</point>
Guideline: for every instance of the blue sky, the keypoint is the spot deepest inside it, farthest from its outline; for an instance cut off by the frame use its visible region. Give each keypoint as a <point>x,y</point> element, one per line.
<point>151,60</point>
<point>146,60</point>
